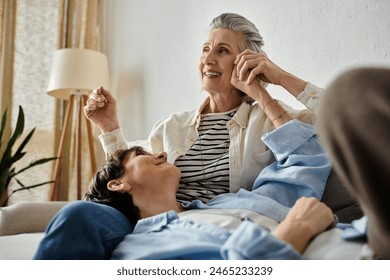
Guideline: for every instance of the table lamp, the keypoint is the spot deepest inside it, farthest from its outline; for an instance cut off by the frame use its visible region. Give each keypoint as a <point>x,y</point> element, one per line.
<point>74,74</point>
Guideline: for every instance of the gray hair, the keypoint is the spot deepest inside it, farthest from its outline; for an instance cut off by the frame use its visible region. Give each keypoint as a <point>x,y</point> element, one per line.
<point>240,24</point>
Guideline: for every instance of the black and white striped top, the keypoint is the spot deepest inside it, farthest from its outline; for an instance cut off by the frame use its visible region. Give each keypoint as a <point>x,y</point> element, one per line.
<point>205,167</point>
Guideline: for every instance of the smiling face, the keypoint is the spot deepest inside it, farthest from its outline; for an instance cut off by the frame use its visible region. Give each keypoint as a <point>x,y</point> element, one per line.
<point>217,60</point>
<point>137,183</point>
<point>146,172</point>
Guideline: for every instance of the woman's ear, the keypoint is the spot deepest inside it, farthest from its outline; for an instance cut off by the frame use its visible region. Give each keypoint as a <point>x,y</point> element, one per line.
<point>118,186</point>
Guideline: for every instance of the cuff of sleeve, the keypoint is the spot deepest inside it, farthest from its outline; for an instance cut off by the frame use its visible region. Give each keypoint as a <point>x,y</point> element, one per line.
<point>280,142</point>
<point>251,242</point>
<point>310,93</point>
<point>112,141</point>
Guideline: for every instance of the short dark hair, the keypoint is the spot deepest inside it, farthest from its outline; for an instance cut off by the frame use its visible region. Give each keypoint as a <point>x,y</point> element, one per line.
<point>112,169</point>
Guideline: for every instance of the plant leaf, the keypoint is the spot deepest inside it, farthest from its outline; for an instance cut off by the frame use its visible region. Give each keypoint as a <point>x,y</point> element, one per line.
<point>26,140</point>
<point>5,161</point>
<point>4,179</point>
<point>19,126</point>
<point>34,163</point>
<point>26,188</point>
<point>20,183</point>
<point>19,154</point>
<point>34,186</point>
<point>2,128</point>
<point>11,160</point>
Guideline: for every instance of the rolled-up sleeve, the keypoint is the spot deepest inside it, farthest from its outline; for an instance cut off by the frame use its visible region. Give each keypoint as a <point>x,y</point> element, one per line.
<point>311,96</point>
<point>302,167</point>
<point>113,141</point>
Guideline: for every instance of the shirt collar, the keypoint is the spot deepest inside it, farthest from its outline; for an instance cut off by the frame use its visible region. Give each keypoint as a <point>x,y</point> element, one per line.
<point>241,117</point>
<point>155,223</point>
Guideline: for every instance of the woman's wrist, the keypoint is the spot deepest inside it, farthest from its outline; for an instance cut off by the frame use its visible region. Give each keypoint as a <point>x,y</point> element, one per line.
<point>110,127</point>
<point>276,113</point>
<point>298,234</point>
<point>293,84</point>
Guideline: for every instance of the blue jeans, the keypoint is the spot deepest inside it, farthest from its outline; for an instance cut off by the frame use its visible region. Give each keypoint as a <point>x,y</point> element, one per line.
<point>83,230</point>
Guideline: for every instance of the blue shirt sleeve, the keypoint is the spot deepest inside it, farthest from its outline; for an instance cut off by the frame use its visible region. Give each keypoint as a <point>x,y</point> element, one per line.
<point>301,168</point>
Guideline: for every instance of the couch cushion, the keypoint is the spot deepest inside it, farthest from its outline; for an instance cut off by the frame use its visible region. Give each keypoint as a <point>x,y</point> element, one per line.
<point>342,203</point>
<point>20,246</point>
<point>27,217</point>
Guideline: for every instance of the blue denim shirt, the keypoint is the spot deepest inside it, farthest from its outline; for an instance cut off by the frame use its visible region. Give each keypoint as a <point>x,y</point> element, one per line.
<point>165,236</point>
<point>301,169</point>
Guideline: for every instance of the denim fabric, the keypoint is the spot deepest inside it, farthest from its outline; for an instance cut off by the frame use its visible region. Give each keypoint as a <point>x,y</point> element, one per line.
<point>165,236</point>
<point>83,230</point>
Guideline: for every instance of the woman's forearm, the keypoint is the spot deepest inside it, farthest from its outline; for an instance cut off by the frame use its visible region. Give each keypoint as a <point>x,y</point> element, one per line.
<point>293,84</point>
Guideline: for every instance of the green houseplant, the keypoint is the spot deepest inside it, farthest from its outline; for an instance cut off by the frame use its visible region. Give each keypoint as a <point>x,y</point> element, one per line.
<point>11,153</point>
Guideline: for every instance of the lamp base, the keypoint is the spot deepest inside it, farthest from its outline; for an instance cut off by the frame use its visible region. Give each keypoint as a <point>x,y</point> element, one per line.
<point>57,191</point>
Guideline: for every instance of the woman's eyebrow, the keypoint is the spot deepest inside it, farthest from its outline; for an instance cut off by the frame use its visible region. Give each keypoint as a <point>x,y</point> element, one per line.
<point>207,44</point>
<point>224,45</point>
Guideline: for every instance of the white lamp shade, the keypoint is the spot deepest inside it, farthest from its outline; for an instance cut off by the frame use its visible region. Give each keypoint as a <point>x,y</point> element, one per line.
<point>77,69</point>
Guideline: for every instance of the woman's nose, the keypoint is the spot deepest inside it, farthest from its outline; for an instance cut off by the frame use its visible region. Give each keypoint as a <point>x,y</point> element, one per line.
<point>161,156</point>
<point>209,58</point>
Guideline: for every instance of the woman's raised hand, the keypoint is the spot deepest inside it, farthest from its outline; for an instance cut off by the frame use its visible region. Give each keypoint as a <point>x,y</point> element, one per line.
<point>250,68</point>
<point>259,66</point>
<point>253,66</point>
<point>101,110</point>
<point>254,90</point>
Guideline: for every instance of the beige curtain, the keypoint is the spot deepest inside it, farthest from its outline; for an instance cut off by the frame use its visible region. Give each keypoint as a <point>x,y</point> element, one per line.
<point>23,82</point>
<point>7,35</point>
<point>30,32</point>
<point>78,27</point>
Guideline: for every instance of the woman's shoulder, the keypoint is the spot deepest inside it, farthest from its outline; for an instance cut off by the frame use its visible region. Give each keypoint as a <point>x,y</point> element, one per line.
<point>181,115</point>
<point>180,118</point>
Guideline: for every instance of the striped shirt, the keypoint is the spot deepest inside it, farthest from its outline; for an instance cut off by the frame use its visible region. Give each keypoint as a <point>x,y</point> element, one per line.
<point>205,167</point>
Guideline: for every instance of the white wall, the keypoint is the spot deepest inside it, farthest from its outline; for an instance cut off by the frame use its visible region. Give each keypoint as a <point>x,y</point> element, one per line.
<point>153,47</point>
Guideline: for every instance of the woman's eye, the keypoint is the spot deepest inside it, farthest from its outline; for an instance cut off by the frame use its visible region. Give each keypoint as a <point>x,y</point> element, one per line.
<point>223,50</point>
<point>205,49</point>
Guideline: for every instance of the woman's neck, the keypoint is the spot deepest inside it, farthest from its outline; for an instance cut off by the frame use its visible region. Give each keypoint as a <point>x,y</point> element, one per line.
<point>219,103</point>
<point>158,207</point>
